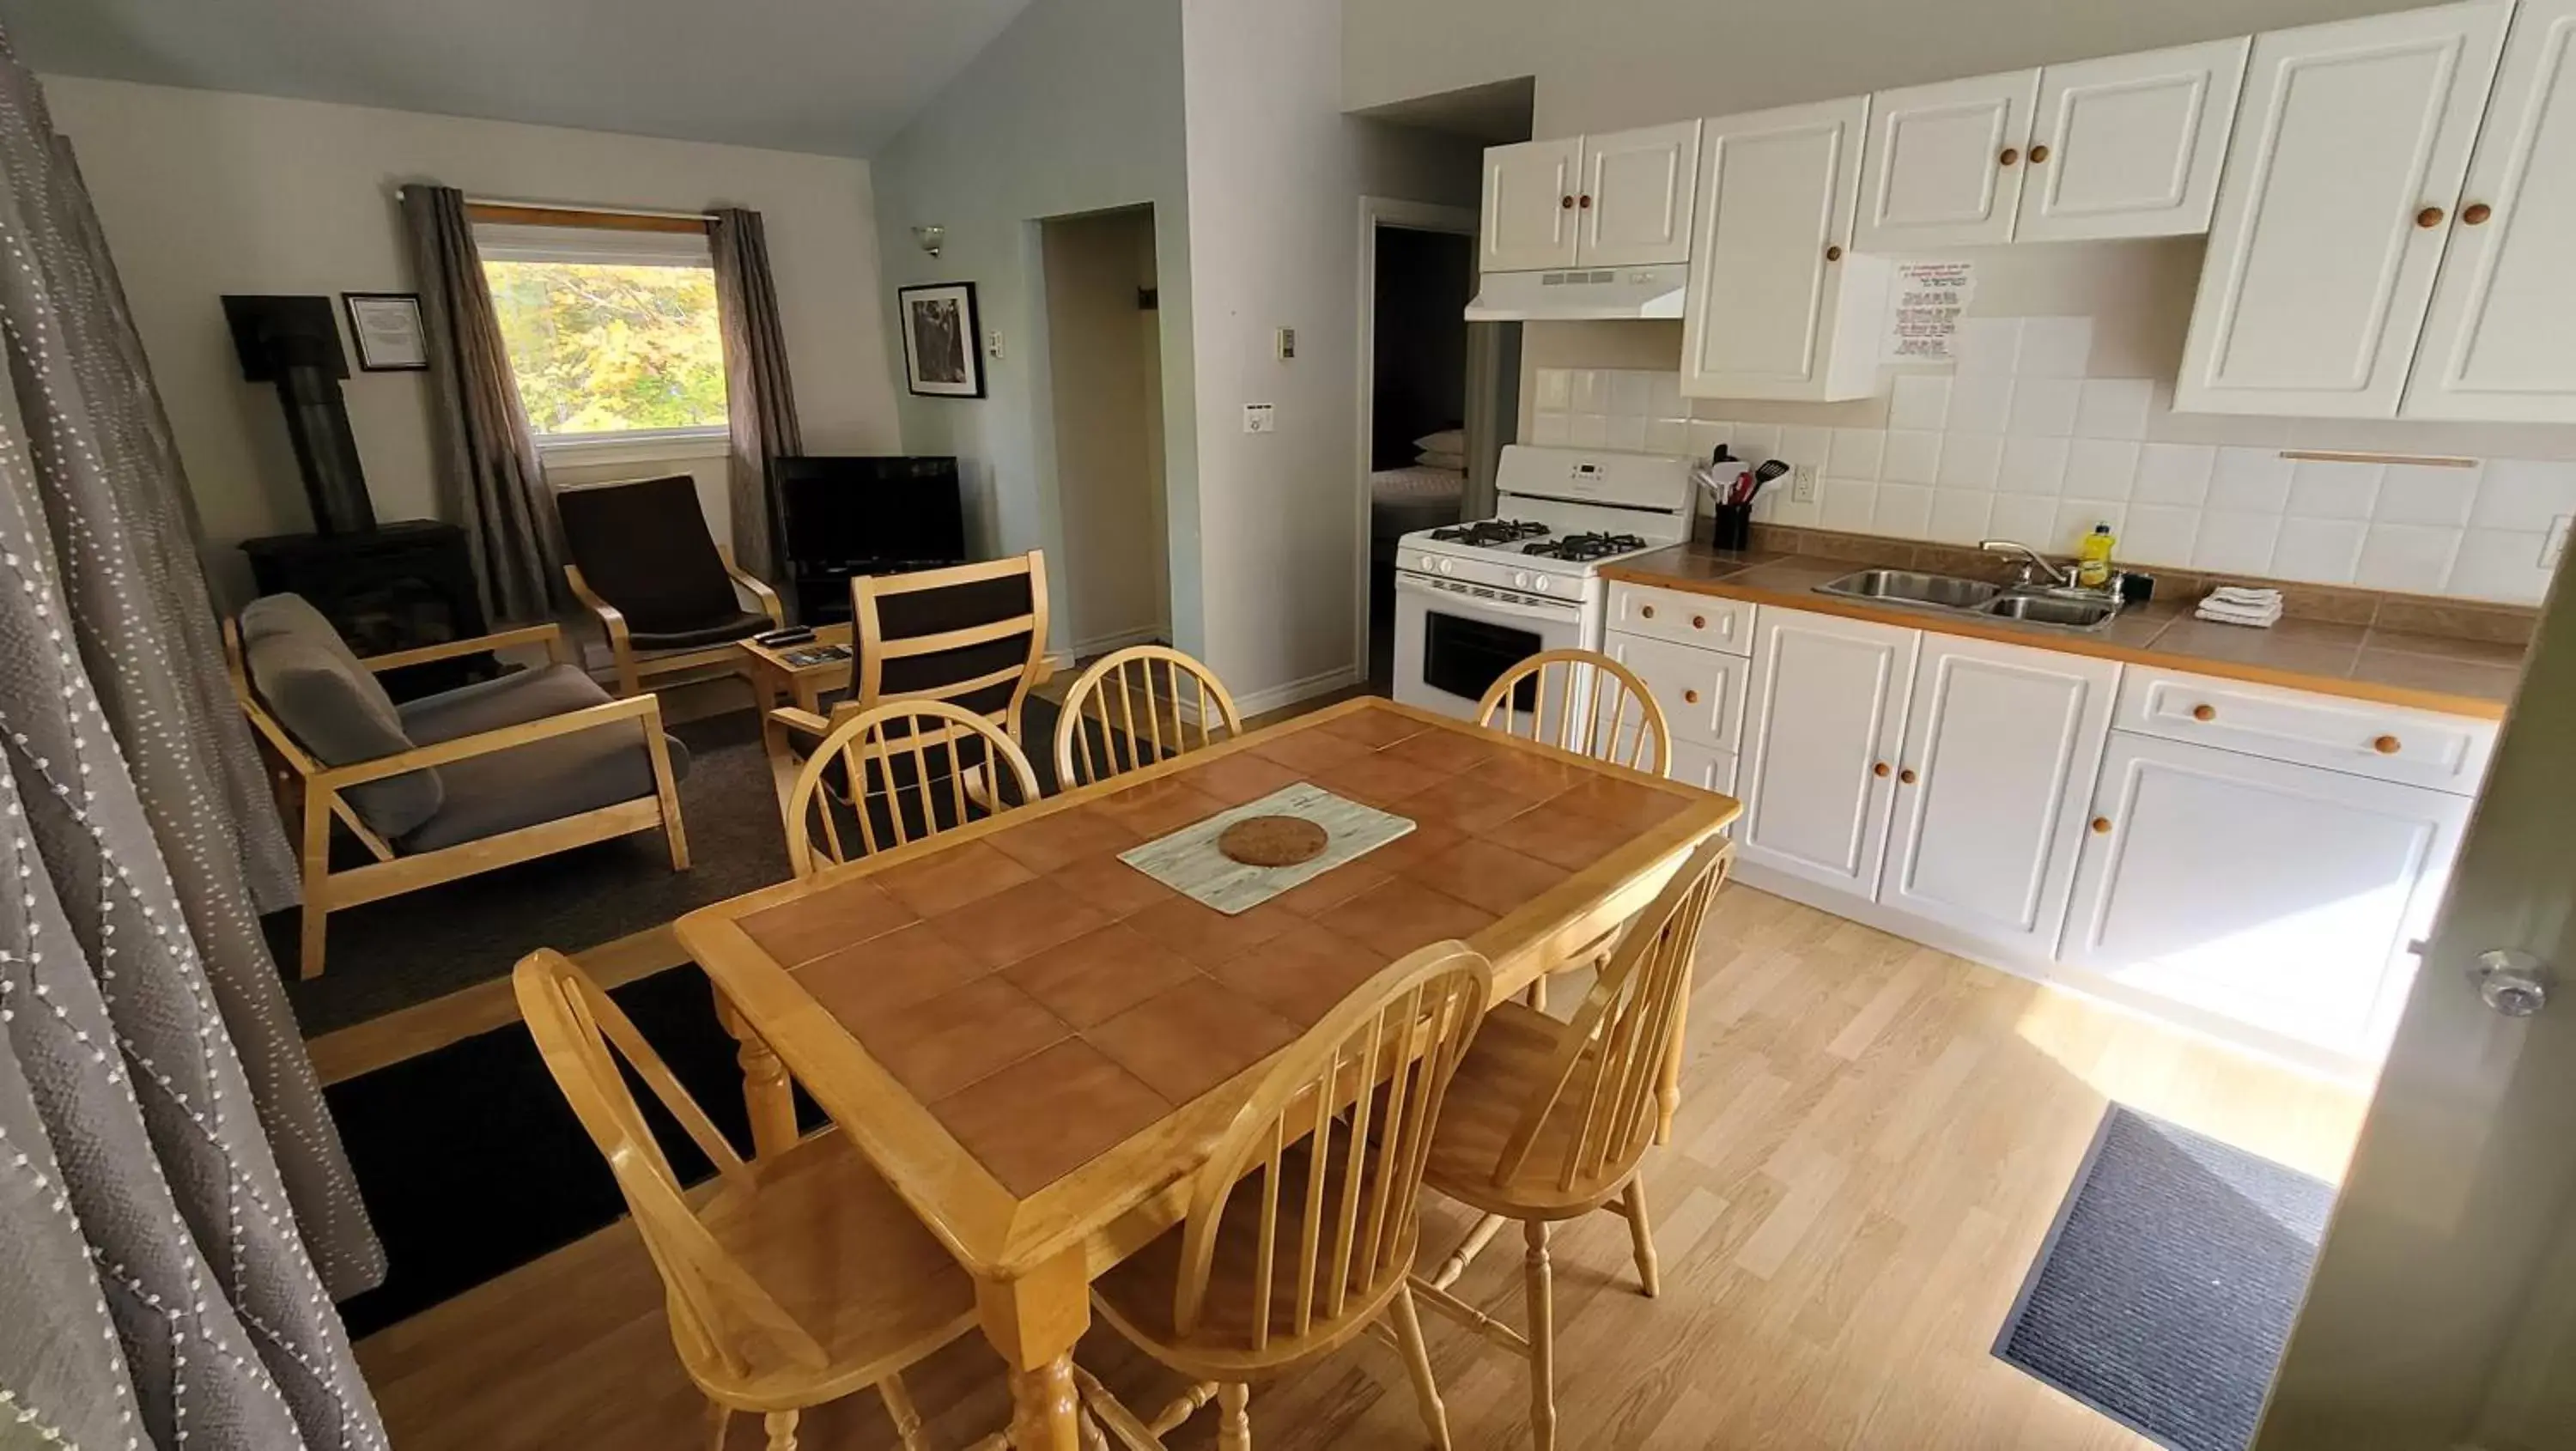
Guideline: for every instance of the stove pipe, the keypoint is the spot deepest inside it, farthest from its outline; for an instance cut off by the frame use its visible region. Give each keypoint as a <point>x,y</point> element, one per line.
<point>294,342</point>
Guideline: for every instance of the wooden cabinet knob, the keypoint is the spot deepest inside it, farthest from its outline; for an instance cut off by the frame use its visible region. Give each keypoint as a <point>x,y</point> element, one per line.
<point>1833,254</point>
<point>2039,153</point>
<point>1585,201</point>
<point>2386,745</point>
<point>2101,826</point>
<point>1645,612</point>
<point>2012,154</point>
<point>1690,697</point>
<point>1566,202</point>
<point>1699,622</point>
<point>2429,217</point>
<point>1906,777</point>
<point>1879,770</point>
<point>2204,712</point>
<point>2475,214</point>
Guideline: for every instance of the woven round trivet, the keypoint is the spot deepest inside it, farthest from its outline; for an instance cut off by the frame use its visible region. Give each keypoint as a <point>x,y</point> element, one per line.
<point>1272,841</point>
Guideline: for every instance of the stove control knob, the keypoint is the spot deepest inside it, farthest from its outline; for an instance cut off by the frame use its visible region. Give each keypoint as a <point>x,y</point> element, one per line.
<point>1543,584</point>
<point>1520,579</point>
<point>1444,566</point>
<point>1430,562</point>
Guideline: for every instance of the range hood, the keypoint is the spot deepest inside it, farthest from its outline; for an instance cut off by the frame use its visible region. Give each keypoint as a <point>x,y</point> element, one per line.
<point>1583,294</point>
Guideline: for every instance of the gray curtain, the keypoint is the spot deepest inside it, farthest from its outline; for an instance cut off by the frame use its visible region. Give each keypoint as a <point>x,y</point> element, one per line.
<point>760,399</point>
<point>175,1213</point>
<point>1493,409</point>
<point>490,480</point>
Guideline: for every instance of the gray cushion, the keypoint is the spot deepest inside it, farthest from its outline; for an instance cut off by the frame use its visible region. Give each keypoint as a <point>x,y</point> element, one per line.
<point>538,782</point>
<point>334,707</point>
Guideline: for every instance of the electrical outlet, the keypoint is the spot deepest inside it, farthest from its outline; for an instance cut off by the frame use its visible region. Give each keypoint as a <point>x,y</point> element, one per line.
<point>1802,484</point>
<point>2554,546</point>
<point>1259,417</point>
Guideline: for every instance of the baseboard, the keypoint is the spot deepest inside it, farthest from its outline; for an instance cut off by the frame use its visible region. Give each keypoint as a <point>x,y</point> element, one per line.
<point>1094,649</point>
<point>1261,702</point>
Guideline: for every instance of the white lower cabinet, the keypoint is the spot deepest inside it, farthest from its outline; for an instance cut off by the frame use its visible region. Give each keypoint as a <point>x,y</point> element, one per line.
<point>1823,720</point>
<point>2258,893</point>
<point>1706,767</point>
<point>1993,787</point>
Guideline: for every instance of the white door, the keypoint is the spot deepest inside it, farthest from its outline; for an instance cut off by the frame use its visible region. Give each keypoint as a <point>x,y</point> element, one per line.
<point>1771,277</point>
<point>1944,167</point>
<point>2498,344</point>
<point>2275,896</point>
<point>2347,158</point>
<point>1824,718</point>
<point>1635,205</point>
<point>1994,787</point>
<point>2130,145</point>
<point>1529,206</point>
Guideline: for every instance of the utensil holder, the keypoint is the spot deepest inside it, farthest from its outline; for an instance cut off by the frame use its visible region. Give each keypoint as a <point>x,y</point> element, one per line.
<point>1732,528</point>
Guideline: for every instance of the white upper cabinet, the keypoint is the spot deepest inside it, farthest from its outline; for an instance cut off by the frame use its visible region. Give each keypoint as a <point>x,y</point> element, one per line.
<point>2347,158</point>
<point>1824,718</point>
<point>1778,306</point>
<point>1635,205</point>
<point>1994,787</point>
<point>2500,341</point>
<point>2130,145</point>
<point>1619,200</point>
<point>1529,222</point>
<point>1944,166</point>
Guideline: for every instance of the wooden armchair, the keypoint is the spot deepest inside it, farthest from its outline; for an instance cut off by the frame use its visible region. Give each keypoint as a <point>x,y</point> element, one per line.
<point>450,785</point>
<point>661,588</point>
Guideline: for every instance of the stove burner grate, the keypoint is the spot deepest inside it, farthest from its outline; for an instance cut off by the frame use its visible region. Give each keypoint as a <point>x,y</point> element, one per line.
<point>1489,532</point>
<point>1580,547</point>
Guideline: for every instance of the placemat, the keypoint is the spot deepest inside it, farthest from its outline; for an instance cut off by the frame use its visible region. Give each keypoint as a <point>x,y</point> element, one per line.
<point>1188,862</point>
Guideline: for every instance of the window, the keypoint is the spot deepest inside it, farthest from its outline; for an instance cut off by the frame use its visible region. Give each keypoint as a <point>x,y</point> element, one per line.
<point>612,335</point>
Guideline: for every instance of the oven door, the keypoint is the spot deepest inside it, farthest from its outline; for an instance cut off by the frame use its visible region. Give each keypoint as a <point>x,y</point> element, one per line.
<point>1450,644</point>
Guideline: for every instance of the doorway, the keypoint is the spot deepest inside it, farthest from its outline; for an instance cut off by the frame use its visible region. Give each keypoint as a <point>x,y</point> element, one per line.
<point>1418,271</point>
<point>1104,358</point>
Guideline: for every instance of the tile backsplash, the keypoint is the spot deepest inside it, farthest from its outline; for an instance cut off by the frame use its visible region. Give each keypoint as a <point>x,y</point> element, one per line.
<point>2022,441</point>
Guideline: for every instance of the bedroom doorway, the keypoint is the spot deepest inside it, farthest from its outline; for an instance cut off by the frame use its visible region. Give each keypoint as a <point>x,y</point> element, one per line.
<point>1104,362</point>
<point>1418,270</point>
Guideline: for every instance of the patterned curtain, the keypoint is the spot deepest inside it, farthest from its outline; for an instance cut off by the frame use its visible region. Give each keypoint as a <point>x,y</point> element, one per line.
<point>760,399</point>
<point>176,1215</point>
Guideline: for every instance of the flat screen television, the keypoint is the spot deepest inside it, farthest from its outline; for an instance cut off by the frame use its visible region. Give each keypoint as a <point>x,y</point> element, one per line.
<point>870,515</point>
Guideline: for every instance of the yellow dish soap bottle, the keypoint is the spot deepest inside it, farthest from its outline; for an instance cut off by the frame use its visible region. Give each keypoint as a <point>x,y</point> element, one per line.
<point>2093,558</point>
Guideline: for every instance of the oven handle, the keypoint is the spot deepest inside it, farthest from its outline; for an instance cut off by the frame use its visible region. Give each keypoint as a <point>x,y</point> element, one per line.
<point>1568,613</point>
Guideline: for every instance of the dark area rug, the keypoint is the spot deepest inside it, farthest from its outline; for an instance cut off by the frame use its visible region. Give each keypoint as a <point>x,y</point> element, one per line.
<point>2166,1290</point>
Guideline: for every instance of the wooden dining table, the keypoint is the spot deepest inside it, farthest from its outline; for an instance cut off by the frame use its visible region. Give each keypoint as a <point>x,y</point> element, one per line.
<point>1036,1044</point>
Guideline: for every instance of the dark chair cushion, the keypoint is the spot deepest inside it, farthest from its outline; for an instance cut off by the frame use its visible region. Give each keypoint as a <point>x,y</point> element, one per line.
<point>539,782</point>
<point>334,707</point>
<point>742,625</point>
<point>644,548</point>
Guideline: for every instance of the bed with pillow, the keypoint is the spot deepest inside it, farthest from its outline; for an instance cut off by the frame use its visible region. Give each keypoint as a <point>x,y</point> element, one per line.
<point>1423,494</point>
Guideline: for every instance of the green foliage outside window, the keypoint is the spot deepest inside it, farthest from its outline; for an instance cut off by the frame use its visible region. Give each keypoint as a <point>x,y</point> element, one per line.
<point>604,348</point>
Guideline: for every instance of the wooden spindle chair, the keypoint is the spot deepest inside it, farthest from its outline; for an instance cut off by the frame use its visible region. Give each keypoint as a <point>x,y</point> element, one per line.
<point>1594,701</point>
<point>1301,1228</point>
<point>1549,1121</point>
<point>801,1279</point>
<point>903,771</point>
<point>1117,718</point>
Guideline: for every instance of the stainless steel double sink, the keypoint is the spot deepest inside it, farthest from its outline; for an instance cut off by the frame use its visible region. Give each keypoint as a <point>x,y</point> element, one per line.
<point>2081,611</point>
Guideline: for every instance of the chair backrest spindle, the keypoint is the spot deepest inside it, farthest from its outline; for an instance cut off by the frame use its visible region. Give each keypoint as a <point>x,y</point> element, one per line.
<point>1093,743</point>
<point>1596,699</point>
<point>899,757</point>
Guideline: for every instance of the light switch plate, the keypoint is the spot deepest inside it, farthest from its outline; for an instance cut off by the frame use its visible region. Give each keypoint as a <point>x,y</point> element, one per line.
<point>1258,417</point>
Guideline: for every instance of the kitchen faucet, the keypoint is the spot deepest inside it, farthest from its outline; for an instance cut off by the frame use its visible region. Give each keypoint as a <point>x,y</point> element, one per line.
<point>2034,565</point>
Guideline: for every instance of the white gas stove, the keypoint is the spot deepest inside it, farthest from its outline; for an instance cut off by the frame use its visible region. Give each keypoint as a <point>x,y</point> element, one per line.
<point>1472,600</point>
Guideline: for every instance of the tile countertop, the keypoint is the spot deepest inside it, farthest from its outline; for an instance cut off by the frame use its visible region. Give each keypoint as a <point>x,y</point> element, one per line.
<point>2425,672</point>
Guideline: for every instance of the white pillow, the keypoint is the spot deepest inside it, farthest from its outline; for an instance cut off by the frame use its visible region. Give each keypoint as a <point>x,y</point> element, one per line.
<point>1447,440</point>
<point>1433,459</point>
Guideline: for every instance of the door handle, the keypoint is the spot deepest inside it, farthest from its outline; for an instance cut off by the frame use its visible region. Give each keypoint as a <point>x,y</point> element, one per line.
<point>2513,983</point>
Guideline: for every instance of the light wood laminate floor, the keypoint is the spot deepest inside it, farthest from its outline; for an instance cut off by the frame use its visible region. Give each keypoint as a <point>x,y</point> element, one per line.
<point>1874,1138</point>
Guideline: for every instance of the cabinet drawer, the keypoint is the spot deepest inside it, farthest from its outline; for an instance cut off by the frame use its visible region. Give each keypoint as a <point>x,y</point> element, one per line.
<point>2386,742</point>
<point>1670,614</point>
<point>1701,691</point>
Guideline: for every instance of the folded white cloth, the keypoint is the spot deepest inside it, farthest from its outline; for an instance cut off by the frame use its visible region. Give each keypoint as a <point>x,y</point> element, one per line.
<point>2262,611</point>
<point>2237,594</point>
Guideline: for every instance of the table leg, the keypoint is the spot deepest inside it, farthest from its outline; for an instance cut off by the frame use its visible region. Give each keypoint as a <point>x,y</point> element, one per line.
<point>766,1093</point>
<point>1033,1323</point>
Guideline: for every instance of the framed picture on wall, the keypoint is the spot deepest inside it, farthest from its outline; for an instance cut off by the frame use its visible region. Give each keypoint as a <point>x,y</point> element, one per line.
<point>941,358</point>
<point>386,327</point>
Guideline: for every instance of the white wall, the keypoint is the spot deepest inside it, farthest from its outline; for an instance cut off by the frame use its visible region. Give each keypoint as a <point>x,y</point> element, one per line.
<point>1614,63</point>
<point>1276,177</point>
<point>204,193</point>
<point>1075,108</point>
<point>1106,377</point>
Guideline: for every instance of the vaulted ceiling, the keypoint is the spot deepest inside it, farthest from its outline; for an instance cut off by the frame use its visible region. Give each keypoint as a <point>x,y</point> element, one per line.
<point>832,76</point>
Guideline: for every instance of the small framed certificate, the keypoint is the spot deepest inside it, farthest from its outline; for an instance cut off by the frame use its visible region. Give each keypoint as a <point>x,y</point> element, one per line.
<point>387,329</point>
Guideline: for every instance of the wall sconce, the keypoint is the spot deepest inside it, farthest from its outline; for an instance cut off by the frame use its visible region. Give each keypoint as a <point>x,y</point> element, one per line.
<point>930,238</point>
